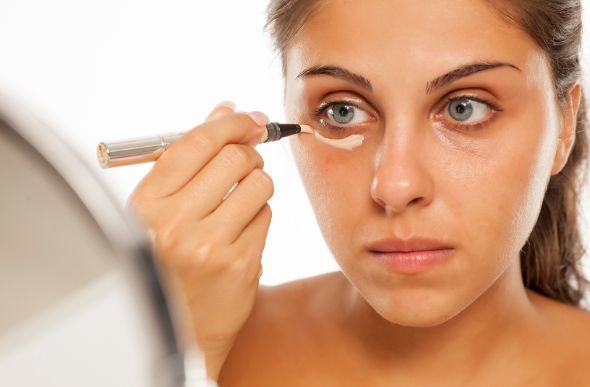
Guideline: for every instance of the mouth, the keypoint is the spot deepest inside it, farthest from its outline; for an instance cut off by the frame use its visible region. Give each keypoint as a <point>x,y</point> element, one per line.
<point>413,255</point>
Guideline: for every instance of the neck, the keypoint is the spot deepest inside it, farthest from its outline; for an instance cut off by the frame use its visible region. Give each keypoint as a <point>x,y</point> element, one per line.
<point>497,321</point>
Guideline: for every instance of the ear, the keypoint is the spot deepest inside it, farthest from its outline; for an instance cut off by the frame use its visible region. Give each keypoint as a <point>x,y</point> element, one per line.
<point>568,128</point>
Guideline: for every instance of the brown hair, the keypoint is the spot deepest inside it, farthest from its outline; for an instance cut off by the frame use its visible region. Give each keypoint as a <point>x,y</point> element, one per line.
<point>550,259</point>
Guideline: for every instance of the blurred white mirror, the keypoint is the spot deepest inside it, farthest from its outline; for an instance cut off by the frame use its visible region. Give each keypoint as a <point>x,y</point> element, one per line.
<point>80,299</point>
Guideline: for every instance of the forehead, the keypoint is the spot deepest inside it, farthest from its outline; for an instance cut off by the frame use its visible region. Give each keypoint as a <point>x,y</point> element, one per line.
<point>393,38</point>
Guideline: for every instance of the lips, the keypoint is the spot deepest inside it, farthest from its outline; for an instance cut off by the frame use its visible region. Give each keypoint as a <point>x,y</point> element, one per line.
<point>410,256</point>
<point>397,245</point>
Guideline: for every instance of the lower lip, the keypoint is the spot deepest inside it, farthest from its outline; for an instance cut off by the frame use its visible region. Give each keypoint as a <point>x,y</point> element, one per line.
<point>412,261</point>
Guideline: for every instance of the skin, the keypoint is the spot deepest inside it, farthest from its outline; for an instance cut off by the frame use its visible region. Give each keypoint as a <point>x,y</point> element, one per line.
<point>469,318</point>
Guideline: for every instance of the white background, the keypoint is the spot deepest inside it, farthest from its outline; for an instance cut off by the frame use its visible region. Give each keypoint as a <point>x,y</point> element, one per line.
<point>109,70</point>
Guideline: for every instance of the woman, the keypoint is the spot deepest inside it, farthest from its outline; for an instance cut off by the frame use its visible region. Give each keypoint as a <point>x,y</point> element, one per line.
<point>473,125</point>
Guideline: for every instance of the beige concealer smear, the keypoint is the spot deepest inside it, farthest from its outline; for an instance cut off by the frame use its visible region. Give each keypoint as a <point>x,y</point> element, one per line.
<point>347,143</point>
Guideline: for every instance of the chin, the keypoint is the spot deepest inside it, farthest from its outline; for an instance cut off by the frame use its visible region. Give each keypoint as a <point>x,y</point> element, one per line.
<point>420,309</point>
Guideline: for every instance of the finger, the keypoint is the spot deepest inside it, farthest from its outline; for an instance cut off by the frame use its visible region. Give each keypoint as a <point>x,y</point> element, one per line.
<point>253,239</point>
<point>222,108</point>
<point>177,165</point>
<point>242,204</point>
<point>204,193</point>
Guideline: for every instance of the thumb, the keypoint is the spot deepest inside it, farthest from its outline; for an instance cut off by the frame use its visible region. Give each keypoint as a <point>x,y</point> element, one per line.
<point>222,108</point>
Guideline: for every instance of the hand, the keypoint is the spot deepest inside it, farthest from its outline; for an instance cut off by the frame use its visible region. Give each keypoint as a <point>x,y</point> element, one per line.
<point>209,244</point>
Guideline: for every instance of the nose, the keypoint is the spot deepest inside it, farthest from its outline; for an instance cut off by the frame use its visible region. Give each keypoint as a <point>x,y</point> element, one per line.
<point>401,177</point>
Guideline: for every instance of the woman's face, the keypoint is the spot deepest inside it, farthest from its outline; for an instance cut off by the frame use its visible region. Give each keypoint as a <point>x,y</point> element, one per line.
<point>471,172</point>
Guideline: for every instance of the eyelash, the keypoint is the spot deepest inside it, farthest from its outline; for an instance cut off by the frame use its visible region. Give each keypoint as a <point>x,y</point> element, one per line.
<point>460,127</point>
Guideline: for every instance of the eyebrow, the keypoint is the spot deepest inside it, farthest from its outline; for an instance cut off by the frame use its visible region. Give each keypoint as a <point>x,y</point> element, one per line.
<point>462,72</point>
<point>357,79</point>
<point>337,72</point>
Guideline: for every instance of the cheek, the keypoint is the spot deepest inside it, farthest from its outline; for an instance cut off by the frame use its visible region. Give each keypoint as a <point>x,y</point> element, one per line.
<point>337,183</point>
<point>498,200</point>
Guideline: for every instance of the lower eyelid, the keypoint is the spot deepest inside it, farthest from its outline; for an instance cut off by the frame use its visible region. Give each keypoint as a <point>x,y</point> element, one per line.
<point>327,125</point>
<point>473,126</point>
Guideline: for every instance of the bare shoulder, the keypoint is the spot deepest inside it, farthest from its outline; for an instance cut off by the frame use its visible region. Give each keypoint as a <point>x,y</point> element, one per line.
<point>278,330</point>
<point>567,338</point>
<point>560,314</point>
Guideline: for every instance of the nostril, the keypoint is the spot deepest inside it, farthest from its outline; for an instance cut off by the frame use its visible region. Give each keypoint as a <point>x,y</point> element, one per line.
<point>414,201</point>
<point>395,205</point>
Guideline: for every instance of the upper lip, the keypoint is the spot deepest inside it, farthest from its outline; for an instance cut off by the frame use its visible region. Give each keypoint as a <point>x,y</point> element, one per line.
<point>393,244</point>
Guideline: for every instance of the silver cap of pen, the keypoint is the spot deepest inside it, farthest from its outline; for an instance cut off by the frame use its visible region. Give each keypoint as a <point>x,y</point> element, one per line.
<point>140,150</point>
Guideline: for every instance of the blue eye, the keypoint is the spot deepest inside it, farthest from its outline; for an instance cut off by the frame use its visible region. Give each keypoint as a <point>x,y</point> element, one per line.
<point>466,108</point>
<point>341,114</point>
<point>462,109</point>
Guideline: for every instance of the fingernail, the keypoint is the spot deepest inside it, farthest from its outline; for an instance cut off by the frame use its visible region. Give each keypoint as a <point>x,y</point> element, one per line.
<point>228,104</point>
<point>260,118</point>
<point>263,136</point>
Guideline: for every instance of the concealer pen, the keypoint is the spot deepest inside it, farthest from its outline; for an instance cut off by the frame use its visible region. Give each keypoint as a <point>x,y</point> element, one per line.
<point>142,150</point>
